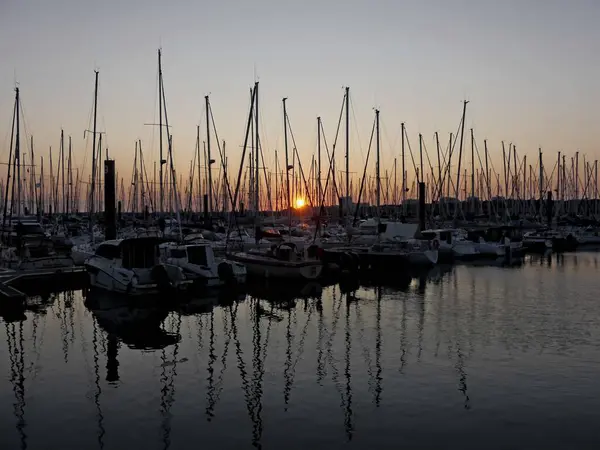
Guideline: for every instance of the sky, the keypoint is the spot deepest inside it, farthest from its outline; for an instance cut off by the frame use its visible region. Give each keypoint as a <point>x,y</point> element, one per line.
<point>529,69</point>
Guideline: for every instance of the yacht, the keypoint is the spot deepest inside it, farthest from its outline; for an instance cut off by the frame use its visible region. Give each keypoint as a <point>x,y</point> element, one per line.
<point>198,262</point>
<point>132,266</point>
<point>282,261</point>
<point>452,244</point>
<point>27,247</point>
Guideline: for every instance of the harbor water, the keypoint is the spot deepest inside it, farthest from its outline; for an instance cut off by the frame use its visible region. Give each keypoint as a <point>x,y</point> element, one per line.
<point>468,356</point>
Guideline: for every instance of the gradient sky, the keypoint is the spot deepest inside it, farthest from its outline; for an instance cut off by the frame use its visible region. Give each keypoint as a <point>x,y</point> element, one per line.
<point>530,69</point>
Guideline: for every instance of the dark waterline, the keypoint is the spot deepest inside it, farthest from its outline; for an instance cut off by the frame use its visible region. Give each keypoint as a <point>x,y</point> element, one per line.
<point>464,357</point>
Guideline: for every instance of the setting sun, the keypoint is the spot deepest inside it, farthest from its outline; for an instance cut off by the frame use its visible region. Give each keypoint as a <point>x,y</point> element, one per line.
<point>299,202</point>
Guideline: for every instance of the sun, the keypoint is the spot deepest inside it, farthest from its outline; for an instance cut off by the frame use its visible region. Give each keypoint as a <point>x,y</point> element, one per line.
<point>300,202</point>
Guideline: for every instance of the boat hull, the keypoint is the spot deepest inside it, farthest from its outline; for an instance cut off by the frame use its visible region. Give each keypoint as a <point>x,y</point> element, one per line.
<point>272,268</point>
<point>122,282</point>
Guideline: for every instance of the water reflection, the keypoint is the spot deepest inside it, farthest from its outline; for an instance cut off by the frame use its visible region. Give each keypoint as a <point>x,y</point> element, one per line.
<point>340,358</point>
<point>136,322</point>
<point>16,354</point>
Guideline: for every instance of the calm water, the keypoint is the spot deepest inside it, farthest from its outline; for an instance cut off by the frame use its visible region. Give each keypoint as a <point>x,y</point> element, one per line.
<point>467,357</point>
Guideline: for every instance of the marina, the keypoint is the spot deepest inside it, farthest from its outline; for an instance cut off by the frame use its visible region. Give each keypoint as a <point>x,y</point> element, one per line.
<point>290,225</point>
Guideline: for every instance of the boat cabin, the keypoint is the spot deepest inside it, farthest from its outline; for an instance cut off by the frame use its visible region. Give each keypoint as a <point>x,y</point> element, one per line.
<point>200,254</point>
<point>443,235</point>
<point>135,253</point>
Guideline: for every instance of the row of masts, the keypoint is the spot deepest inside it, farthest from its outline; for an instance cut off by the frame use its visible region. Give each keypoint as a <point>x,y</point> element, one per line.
<point>518,185</point>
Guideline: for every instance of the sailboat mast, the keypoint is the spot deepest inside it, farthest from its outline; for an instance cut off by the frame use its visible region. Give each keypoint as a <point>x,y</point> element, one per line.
<point>99,172</point>
<point>472,172</point>
<point>224,187</point>
<point>160,133</point>
<point>18,152</point>
<point>62,162</point>
<point>420,176</point>
<point>347,143</point>
<point>541,182</point>
<point>41,196</point>
<point>487,179</point>
<point>403,172</point>
<point>198,163</point>
<point>319,186</point>
<point>12,131</point>
<point>51,192</point>
<point>93,157</point>
<point>134,202</point>
<point>32,188</point>
<point>378,169</point>
<point>395,185</point>
<point>460,149</point>
<point>69,178</point>
<point>287,163</point>
<point>142,186</point>
<point>257,152</point>
<point>208,161</point>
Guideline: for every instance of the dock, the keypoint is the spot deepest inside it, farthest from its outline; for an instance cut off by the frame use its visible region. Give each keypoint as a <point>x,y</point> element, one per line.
<point>16,285</point>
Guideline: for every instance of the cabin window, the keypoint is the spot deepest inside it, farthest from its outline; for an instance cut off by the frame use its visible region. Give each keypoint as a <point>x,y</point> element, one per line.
<point>28,228</point>
<point>108,251</point>
<point>178,253</point>
<point>139,256</point>
<point>446,236</point>
<point>197,255</point>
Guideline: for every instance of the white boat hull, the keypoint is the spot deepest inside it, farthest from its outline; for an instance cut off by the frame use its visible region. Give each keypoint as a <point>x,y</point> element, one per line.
<point>122,281</point>
<point>50,262</point>
<point>272,268</point>
<point>426,258</point>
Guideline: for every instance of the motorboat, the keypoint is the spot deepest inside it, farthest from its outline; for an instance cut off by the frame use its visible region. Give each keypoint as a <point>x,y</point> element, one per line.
<point>452,244</point>
<point>198,262</point>
<point>133,266</point>
<point>281,261</point>
<point>548,239</point>
<point>28,247</point>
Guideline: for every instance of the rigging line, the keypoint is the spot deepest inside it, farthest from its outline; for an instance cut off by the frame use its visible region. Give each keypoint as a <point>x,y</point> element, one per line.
<point>223,164</point>
<point>447,171</point>
<point>387,136</point>
<point>411,155</point>
<point>298,157</point>
<point>331,158</point>
<point>428,159</point>
<point>242,161</point>
<point>329,175</point>
<point>448,153</point>
<point>145,174</point>
<point>356,129</point>
<point>362,183</point>
<point>262,157</point>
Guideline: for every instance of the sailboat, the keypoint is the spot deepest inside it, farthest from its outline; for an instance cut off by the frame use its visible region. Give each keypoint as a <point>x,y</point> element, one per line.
<point>84,250</point>
<point>283,260</point>
<point>25,245</point>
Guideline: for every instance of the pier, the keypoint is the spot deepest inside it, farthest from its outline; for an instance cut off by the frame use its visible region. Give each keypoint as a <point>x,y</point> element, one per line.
<point>16,285</point>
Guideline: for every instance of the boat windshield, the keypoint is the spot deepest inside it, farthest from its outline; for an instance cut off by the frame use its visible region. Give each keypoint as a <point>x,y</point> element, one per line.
<point>178,253</point>
<point>140,253</point>
<point>29,228</point>
<point>108,251</point>
<point>197,255</point>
